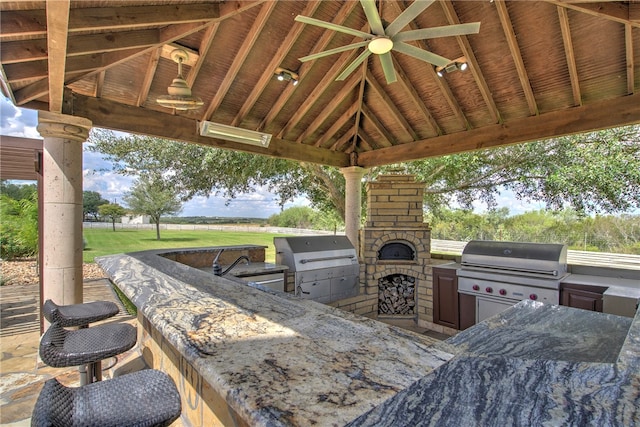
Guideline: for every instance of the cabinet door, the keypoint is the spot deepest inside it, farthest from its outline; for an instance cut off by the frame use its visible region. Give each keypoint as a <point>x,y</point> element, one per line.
<point>445,298</point>
<point>579,296</point>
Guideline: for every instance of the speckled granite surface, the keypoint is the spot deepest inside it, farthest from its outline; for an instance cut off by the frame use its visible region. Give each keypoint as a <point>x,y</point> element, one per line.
<point>533,365</point>
<point>284,361</point>
<point>278,360</point>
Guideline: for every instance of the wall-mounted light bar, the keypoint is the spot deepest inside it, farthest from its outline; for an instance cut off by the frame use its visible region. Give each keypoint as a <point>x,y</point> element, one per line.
<point>230,133</point>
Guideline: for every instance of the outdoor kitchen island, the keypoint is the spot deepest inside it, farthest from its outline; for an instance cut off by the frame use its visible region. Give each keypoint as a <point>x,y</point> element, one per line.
<point>261,357</point>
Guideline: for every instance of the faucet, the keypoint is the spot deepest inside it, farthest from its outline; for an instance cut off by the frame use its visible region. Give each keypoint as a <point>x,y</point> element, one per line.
<point>217,269</point>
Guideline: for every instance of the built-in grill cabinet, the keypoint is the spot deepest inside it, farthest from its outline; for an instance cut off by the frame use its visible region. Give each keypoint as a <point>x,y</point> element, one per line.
<point>325,268</point>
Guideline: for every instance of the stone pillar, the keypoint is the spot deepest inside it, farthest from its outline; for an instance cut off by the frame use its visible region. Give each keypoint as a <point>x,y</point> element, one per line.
<point>353,202</point>
<point>62,205</point>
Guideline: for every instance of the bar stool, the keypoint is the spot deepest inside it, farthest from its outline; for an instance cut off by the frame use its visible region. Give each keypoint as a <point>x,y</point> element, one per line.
<point>143,398</point>
<point>78,314</point>
<point>60,347</point>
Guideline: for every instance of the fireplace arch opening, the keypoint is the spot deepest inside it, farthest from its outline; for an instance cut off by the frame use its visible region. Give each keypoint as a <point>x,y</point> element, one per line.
<point>397,251</point>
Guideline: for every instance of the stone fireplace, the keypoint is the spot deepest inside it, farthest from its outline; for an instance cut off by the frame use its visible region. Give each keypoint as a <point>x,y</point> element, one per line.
<point>395,248</point>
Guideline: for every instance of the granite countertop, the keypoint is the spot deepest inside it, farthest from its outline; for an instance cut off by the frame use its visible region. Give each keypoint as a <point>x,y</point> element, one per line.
<point>278,359</point>
<point>281,360</point>
<point>531,365</point>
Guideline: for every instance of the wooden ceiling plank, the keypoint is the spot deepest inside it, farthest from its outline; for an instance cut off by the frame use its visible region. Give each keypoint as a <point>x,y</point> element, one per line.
<point>319,46</point>
<point>150,72</point>
<point>24,50</point>
<point>126,118</point>
<point>510,35</point>
<point>23,24</point>
<point>619,112</point>
<point>266,76</point>
<point>387,138</point>
<point>474,66</point>
<point>360,101</point>
<point>565,28</point>
<point>614,11</point>
<point>366,142</point>
<point>239,59</point>
<point>404,81</point>
<point>57,33</point>
<point>344,140</point>
<point>628,41</point>
<point>339,98</point>
<point>340,122</point>
<point>391,108</point>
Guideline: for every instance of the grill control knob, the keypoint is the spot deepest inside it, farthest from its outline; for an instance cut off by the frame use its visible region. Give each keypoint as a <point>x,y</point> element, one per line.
<point>533,297</point>
<point>476,287</point>
<point>502,291</point>
<point>489,289</point>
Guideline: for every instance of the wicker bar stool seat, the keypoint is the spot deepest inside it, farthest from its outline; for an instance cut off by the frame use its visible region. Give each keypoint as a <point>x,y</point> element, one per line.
<point>145,398</point>
<point>78,314</point>
<point>61,348</point>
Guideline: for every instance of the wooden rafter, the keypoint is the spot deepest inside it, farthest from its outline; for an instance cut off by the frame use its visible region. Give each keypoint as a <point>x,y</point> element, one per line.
<point>152,66</point>
<point>205,46</point>
<point>512,41</point>
<point>275,61</point>
<point>341,96</point>
<point>628,42</point>
<point>319,46</point>
<point>238,61</point>
<point>614,11</point>
<point>391,107</point>
<point>340,122</point>
<point>387,139</point>
<point>467,52</point>
<point>565,28</point>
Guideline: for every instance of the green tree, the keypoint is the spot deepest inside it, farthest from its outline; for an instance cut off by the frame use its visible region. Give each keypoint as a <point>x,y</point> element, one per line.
<point>91,201</point>
<point>19,226</point>
<point>154,196</point>
<point>18,191</point>
<point>113,211</point>
<point>595,172</point>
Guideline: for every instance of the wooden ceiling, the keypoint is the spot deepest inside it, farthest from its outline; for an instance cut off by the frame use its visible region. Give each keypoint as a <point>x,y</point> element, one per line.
<point>537,69</point>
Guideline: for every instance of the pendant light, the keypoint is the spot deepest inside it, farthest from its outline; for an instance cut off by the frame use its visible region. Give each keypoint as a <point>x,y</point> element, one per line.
<point>179,93</point>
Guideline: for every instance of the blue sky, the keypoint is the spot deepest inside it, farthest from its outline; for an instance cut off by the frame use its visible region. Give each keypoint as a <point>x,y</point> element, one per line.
<point>112,186</point>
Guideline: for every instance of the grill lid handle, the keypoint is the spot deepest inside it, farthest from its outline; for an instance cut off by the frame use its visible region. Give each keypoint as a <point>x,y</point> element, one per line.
<point>306,260</point>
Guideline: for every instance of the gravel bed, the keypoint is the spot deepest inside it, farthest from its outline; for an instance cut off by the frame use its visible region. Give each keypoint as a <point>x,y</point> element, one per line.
<point>25,272</point>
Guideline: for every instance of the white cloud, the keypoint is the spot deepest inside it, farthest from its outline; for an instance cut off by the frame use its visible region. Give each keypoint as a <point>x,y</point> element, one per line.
<point>16,121</point>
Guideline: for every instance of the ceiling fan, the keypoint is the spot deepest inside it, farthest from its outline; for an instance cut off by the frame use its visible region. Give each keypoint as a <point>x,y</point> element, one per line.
<point>382,40</point>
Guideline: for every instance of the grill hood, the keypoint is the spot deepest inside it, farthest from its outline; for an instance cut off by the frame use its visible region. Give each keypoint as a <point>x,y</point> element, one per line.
<point>304,253</point>
<point>545,259</point>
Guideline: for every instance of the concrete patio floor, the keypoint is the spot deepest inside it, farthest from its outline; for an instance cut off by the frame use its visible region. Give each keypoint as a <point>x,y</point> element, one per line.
<point>22,373</point>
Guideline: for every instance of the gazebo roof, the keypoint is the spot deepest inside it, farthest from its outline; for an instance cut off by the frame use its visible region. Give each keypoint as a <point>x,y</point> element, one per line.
<point>537,69</point>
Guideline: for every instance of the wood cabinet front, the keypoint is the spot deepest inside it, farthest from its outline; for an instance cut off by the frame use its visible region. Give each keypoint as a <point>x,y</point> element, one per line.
<point>445,298</point>
<point>581,296</point>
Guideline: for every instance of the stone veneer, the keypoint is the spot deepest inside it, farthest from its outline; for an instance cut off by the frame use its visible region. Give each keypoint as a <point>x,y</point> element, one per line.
<point>395,214</point>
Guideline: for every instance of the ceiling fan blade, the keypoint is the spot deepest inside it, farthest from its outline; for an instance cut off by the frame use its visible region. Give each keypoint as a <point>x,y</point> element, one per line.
<point>359,60</point>
<point>408,15</point>
<point>332,51</point>
<point>373,17</point>
<point>432,33</point>
<point>423,55</point>
<point>334,27</point>
<point>387,66</point>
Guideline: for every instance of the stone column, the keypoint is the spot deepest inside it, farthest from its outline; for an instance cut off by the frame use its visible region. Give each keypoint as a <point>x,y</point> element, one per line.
<point>353,202</point>
<point>62,205</point>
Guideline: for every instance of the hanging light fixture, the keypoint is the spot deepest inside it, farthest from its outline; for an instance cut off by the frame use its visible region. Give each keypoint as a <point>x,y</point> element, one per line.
<point>179,93</point>
<point>284,75</point>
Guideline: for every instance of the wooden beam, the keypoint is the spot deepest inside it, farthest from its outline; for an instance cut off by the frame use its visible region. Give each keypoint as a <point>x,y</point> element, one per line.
<point>570,54</point>
<point>22,24</point>
<point>112,115</point>
<point>601,115</point>
<point>628,41</point>
<point>150,72</point>
<point>614,11</point>
<point>57,33</point>
<point>266,76</point>
<point>386,139</point>
<point>205,47</point>
<point>339,122</point>
<point>512,42</point>
<point>239,59</point>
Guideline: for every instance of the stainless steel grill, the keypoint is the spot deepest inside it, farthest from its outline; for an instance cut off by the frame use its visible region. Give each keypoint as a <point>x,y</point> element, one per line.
<point>325,268</point>
<point>500,274</point>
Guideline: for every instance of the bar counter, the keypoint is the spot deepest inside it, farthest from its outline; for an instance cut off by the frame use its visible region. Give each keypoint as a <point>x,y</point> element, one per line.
<point>242,355</point>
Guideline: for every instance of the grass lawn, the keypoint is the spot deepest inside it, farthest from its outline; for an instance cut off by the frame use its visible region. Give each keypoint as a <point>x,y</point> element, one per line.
<point>105,241</point>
